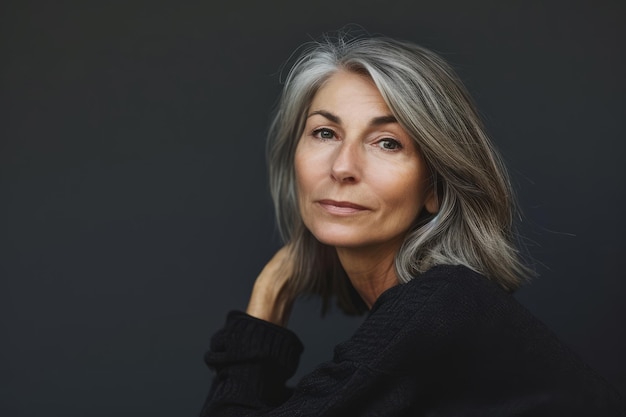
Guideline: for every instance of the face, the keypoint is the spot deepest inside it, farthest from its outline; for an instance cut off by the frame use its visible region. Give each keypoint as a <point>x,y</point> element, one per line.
<point>361,179</point>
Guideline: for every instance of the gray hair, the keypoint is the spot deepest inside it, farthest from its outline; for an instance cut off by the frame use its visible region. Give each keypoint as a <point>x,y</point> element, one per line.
<point>474,223</point>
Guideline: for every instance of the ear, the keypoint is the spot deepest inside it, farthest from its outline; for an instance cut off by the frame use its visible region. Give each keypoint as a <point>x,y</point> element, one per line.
<point>431,203</point>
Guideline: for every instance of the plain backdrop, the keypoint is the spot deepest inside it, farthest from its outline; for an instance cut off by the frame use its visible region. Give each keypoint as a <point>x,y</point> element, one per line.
<point>133,200</point>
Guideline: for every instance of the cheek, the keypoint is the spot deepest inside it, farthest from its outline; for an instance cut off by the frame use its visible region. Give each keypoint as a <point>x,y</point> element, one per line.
<point>404,197</point>
<point>299,171</point>
<point>306,169</point>
<point>302,171</point>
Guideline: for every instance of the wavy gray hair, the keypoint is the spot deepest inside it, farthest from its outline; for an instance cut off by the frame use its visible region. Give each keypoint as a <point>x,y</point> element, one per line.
<point>474,223</point>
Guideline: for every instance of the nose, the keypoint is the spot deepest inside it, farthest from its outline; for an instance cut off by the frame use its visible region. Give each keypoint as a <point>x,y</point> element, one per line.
<point>346,166</point>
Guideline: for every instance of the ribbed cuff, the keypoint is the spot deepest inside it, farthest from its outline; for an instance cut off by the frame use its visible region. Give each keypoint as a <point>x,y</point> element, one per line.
<point>244,337</point>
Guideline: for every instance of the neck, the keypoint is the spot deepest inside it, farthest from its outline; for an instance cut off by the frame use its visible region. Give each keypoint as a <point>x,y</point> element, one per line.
<point>371,270</point>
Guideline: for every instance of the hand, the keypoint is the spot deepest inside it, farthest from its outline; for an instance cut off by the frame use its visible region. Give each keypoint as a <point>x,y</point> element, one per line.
<point>271,300</point>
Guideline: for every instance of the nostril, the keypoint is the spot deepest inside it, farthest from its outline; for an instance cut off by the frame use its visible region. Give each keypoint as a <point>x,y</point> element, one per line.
<point>343,177</point>
<point>345,167</point>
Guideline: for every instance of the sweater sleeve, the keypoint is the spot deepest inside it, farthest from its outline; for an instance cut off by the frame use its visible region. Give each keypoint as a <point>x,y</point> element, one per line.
<point>368,376</point>
<point>252,360</point>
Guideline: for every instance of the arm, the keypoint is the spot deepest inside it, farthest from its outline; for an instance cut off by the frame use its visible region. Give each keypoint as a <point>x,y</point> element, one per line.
<point>253,356</point>
<point>253,359</point>
<point>269,300</point>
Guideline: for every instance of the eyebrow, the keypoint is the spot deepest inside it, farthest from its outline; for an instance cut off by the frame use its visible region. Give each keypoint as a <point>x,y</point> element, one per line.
<point>376,121</point>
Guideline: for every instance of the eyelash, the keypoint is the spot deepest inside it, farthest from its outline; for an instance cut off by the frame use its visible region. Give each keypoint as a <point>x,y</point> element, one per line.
<point>317,132</point>
<point>397,145</point>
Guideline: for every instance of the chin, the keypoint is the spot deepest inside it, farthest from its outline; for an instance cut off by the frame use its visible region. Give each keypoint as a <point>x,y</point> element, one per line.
<point>344,239</point>
<point>336,238</point>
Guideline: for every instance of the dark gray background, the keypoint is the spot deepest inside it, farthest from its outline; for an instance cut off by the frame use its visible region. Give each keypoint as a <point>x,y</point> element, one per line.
<point>134,203</point>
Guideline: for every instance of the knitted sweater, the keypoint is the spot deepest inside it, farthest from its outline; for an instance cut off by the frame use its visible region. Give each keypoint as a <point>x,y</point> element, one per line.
<point>448,343</point>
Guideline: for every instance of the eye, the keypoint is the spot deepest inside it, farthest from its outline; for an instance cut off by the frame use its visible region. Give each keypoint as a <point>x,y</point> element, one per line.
<point>324,133</point>
<point>389,144</point>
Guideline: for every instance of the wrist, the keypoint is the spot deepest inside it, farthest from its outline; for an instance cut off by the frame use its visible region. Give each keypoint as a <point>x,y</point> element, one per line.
<point>270,305</point>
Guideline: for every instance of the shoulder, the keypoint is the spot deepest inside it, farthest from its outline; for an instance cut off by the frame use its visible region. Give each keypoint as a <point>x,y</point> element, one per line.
<point>450,293</point>
<point>461,337</point>
<point>430,309</point>
<point>449,281</point>
<point>449,313</point>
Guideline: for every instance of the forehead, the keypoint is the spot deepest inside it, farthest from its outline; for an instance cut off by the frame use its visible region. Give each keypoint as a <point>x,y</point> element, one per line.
<point>348,91</point>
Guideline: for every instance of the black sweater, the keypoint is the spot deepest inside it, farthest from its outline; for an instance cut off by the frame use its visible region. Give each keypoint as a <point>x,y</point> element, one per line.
<point>448,343</point>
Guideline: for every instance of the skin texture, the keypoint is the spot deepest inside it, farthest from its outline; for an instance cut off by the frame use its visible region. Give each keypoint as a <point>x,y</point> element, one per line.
<point>361,182</point>
<point>267,301</point>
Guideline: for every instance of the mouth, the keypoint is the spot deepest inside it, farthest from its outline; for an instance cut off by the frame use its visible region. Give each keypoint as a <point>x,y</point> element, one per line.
<point>341,207</point>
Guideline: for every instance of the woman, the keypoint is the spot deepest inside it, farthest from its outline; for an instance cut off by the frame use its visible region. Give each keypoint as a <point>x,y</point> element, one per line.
<point>392,199</point>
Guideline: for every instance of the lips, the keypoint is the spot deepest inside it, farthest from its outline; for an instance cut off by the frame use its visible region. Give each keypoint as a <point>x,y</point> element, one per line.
<point>341,207</point>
